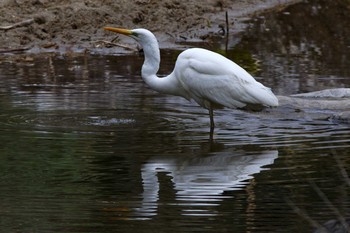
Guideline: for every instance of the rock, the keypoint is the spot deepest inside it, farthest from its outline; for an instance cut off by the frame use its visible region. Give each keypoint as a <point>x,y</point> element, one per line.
<point>341,117</point>
<point>328,93</point>
<point>331,104</point>
<point>334,226</point>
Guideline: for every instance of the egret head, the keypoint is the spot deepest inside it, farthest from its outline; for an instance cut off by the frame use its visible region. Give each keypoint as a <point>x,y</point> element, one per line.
<point>150,47</point>
<point>143,36</point>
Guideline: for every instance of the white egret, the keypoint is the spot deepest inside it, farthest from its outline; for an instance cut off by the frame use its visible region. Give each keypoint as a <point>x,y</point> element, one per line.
<point>208,78</point>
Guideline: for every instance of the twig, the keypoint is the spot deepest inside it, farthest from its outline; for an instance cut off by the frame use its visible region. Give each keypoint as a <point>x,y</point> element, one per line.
<point>304,215</point>
<point>115,44</point>
<point>342,169</point>
<point>14,50</point>
<point>330,205</point>
<point>227,24</point>
<point>227,34</point>
<point>115,39</point>
<point>20,24</point>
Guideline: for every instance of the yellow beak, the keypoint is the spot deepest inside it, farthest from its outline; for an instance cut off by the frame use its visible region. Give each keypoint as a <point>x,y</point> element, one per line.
<point>119,30</point>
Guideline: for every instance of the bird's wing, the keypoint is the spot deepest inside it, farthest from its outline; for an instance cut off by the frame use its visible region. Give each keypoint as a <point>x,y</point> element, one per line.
<point>211,78</point>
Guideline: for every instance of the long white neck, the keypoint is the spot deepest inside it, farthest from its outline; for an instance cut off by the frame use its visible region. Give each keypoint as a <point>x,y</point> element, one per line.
<point>150,68</point>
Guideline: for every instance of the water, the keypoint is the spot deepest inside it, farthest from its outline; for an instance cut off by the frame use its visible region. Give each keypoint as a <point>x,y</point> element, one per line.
<point>86,146</point>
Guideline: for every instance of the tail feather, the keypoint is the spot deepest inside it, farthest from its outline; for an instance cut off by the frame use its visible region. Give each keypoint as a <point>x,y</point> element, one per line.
<point>263,95</point>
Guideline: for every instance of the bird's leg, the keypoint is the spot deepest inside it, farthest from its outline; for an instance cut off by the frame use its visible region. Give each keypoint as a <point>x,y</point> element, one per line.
<point>212,125</point>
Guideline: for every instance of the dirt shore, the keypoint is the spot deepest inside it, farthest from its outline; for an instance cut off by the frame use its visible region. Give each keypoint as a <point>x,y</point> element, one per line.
<point>77,25</point>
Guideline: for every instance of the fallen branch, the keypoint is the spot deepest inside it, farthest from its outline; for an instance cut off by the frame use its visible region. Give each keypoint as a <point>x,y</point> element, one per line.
<point>20,24</point>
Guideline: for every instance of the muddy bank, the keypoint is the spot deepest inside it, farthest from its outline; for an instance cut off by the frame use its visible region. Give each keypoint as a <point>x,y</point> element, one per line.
<point>77,25</point>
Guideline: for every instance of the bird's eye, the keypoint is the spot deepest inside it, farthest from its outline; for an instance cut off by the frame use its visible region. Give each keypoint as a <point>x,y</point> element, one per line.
<point>135,34</point>
<point>141,53</point>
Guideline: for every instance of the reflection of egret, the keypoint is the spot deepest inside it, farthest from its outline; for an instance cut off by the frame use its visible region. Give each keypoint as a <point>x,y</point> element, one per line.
<point>200,181</point>
<point>208,78</point>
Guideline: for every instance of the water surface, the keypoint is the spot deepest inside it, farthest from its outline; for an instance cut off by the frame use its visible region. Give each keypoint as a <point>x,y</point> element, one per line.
<point>86,146</point>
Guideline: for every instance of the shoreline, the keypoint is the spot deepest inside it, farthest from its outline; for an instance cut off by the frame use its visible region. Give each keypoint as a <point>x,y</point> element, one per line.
<point>77,26</point>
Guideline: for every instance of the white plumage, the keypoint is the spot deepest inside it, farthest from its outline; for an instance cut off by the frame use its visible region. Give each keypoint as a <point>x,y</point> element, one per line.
<point>208,78</point>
